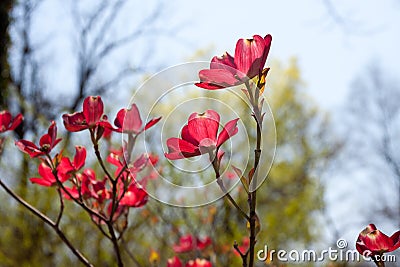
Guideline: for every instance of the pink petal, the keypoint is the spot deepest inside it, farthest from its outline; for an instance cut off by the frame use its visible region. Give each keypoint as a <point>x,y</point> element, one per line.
<point>47,174</point>
<point>178,149</point>
<point>377,241</point>
<point>151,123</point>
<point>365,232</point>
<point>45,140</point>
<point>218,78</point>
<point>72,191</point>
<point>28,147</point>
<point>65,166</point>
<point>90,174</point>
<point>80,157</point>
<point>49,140</point>
<point>41,181</point>
<point>140,163</point>
<point>16,122</point>
<point>75,122</point>
<point>227,132</point>
<point>114,159</point>
<point>225,62</point>
<point>106,125</point>
<point>185,244</point>
<point>267,40</point>
<point>204,125</point>
<point>178,155</point>
<point>208,86</point>
<point>5,119</point>
<point>129,120</point>
<point>187,137</point>
<point>93,109</point>
<point>52,132</point>
<point>250,54</point>
<point>134,197</point>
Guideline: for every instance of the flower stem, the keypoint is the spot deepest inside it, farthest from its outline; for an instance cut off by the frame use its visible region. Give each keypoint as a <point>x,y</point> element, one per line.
<point>114,240</point>
<point>223,188</point>
<point>379,262</point>
<point>114,183</point>
<point>60,214</point>
<point>252,195</point>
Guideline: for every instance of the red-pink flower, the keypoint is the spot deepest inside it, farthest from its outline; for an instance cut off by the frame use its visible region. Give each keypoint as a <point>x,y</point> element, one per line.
<point>47,178</point>
<point>90,117</point>
<point>129,121</point>
<point>198,263</point>
<point>47,143</point>
<point>117,159</point>
<point>174,262</point>
<point>189,243</point>
<point>135,196</point>
<point>77,163</point>
<point>90,187</point>
<point>227,71</point>
<point>93,188</point>
<point>200,136</point>
<point>7,122</point>
<point>372,242</point>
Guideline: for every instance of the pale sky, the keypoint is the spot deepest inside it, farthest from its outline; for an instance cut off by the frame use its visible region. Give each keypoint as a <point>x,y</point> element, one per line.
<point>330,54</point>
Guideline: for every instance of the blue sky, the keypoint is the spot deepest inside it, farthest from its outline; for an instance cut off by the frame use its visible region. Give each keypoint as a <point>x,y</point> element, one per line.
<point>330,54</point>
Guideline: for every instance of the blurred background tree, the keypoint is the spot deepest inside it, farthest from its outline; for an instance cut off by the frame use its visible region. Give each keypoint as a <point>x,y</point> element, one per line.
<point>372,146</point>
<point>31,56</point>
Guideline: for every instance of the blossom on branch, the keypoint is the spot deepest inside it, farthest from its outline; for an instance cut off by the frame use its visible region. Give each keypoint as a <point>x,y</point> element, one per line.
<point>248,62</point>
<point>91,117</point>
<point>129,121</point>
<point>46,144</point>
<point>371,241</point>
<point>200,136</point>
<point>7,122</point>
<point>47,176</point>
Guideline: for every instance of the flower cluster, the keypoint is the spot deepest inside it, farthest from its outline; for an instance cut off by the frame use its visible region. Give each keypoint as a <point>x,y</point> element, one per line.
<point>107,199</point>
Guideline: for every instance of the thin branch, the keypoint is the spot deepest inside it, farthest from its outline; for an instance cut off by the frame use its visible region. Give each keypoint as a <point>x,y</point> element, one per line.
<point>60,214</point>
<point>49,222</point>
<point>222,186</point>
